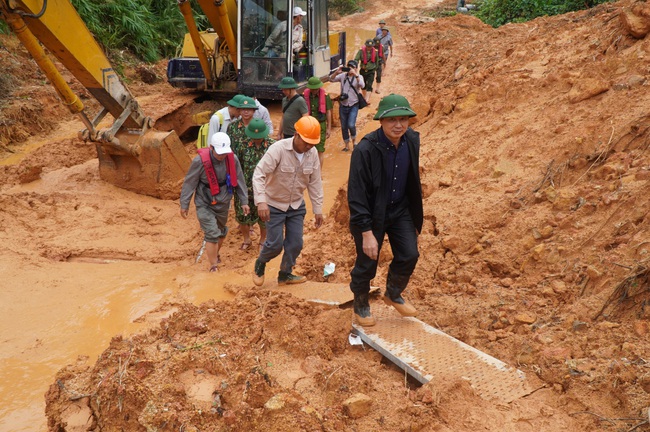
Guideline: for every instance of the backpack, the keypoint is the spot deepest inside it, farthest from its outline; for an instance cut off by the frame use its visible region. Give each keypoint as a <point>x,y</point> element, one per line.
<point>202,139</point>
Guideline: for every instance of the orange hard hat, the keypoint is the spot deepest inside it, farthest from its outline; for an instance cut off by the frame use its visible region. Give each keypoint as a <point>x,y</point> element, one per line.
<point>309,129</point>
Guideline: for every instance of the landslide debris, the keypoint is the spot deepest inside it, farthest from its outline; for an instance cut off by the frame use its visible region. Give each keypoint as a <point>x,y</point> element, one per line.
<point>535,168</point>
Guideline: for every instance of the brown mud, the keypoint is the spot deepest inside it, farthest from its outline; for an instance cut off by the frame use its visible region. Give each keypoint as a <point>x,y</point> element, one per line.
<point>535,170</point>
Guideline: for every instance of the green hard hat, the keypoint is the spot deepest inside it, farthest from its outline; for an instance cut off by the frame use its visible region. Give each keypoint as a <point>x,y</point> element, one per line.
<point>394,105</point>
<point>247,102</point>
<point>314,83</point>
<point>235,101</point>
<point>288,83</point>
<point>257,129</point>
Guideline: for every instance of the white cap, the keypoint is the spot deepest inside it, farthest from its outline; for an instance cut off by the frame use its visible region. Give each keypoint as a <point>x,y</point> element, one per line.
<point>221,143</point>
<point>298,11</point>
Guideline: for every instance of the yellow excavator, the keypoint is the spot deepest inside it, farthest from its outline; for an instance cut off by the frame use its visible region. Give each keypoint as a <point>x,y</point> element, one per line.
<point>254,44</point>
<point>131,154</point>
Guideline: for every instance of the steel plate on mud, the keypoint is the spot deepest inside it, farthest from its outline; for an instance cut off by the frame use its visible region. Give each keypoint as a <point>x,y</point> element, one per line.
<point>323,293</point>
<point>426,354</point>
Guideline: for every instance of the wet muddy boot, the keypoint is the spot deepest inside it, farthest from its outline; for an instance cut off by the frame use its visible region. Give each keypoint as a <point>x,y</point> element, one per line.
<point>285,278</point>
<point>393,296</point>
<point>258,272</point>
<point>362,314</point>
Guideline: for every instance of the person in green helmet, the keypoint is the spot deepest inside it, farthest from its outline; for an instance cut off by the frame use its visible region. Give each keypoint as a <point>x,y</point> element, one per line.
<point>249,151</point>
<point>319,105</point>
<point>293,108</point>
<point>221,119</point>
<point>385,198</point>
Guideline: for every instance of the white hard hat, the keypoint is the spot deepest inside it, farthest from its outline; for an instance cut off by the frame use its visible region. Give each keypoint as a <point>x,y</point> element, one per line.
<point>297,11</point>
<point>221,143</point>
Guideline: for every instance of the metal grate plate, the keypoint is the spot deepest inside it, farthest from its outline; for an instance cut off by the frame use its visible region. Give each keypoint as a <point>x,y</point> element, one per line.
<point>426,354</point>
<point>330,294</point>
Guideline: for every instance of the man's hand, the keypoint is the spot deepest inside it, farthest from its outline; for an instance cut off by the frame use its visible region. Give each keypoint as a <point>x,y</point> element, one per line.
<point>246,210</point>
<point>263,212</point>
<point>319,220</point>
<point>328,132</point>
<point>370,246</point>
<point>184,213</point>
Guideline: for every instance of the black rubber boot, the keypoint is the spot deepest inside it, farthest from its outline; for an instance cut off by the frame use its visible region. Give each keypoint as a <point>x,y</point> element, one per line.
<point>362,313</point>
<point>393,296</point>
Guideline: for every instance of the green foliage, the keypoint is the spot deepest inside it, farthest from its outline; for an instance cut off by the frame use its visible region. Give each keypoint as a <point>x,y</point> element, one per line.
<point>344,7</point>
<point>4,28</point>
<point>150,29</point>
<point>499,12</point>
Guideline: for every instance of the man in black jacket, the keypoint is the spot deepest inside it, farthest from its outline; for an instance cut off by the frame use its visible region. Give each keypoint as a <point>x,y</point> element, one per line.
<point>385,197</point>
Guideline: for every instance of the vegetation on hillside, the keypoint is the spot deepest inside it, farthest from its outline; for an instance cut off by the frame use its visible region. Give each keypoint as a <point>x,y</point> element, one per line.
<point>151,29</point>
<point>500,12</point>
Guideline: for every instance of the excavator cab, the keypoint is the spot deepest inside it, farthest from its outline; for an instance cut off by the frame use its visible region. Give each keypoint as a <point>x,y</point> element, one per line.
<point>254,44</point>
<point>131,154</point>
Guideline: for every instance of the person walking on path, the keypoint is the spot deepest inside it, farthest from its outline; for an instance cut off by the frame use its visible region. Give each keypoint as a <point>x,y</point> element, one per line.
<point>320,106</point>
<point>237,128</point>
<point>221,119</point>
<point>249,153</point>
<point>381,64</point>
<point>262,111</point>
<point>368,58</point>
<point>293,107</point>
<point>386,41</point>
<point>382,24</point>
<point>385,198</point>
<point>351,85</point>
<point>288,168</point>
<point>212,178</point>
<point>238,140</point>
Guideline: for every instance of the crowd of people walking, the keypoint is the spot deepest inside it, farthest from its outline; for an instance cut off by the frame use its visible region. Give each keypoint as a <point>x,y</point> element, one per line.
<point>267,173</point>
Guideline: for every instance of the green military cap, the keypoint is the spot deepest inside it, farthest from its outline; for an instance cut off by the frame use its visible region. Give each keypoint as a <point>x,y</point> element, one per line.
<point>257,129</point>
<point>288,83</point>
<point>314,83</point>
<point>247,102</point>
<point>235,101</point>
<point>394,105</point>
<point>382,22</point>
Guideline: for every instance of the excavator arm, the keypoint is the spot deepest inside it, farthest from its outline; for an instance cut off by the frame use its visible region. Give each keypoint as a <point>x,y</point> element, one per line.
<point>131,155</point>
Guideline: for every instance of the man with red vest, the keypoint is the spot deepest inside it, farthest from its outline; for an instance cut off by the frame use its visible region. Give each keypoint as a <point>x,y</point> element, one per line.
<point>319,105</point>
<point>212,178</point>
<point>368,59</point>
<point>381,63</point>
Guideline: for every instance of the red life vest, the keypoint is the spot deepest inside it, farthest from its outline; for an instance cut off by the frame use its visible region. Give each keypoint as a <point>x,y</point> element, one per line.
<point>231,180</point>
<point>364,55</point>
<point>322,107</point>
<point>381,51</point>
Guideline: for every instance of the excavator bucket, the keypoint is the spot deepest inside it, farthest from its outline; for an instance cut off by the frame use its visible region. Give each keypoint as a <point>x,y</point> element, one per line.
<point>153,164</point>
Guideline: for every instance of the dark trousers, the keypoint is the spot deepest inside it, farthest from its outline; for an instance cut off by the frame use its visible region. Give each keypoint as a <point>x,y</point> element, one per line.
<point>403,242</point>
<point>284,232</point>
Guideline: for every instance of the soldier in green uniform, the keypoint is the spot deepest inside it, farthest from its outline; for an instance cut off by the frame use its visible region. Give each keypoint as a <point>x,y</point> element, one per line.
<point>320,106</point>
<point>249,151</point>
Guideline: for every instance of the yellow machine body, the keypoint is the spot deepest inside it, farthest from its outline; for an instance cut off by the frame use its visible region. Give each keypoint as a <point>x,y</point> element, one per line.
<point>131,155</point>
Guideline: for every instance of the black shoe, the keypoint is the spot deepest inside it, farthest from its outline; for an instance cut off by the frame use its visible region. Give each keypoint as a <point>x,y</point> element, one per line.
<point>258,273</point>
<point>285,278</point>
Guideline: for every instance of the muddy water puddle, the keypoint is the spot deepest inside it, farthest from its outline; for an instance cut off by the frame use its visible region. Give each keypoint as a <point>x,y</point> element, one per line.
<point>48,322</point>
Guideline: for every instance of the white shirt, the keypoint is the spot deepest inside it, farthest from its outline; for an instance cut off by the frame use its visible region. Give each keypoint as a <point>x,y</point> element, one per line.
<point>215,122</point>
<point>263,113</point>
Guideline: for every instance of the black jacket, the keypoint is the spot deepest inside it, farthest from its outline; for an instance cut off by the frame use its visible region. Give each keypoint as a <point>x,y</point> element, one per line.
<point>367,192</point>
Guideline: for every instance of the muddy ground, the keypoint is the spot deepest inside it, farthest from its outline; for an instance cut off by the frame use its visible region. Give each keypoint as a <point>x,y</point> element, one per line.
<point>535,170</point>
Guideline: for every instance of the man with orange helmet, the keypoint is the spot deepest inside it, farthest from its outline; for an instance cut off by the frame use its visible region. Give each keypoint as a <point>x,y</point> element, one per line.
<point>288,167</point>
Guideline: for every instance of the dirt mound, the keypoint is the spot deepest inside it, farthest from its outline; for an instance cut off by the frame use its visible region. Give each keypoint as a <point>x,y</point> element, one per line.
<point>535,170</point>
